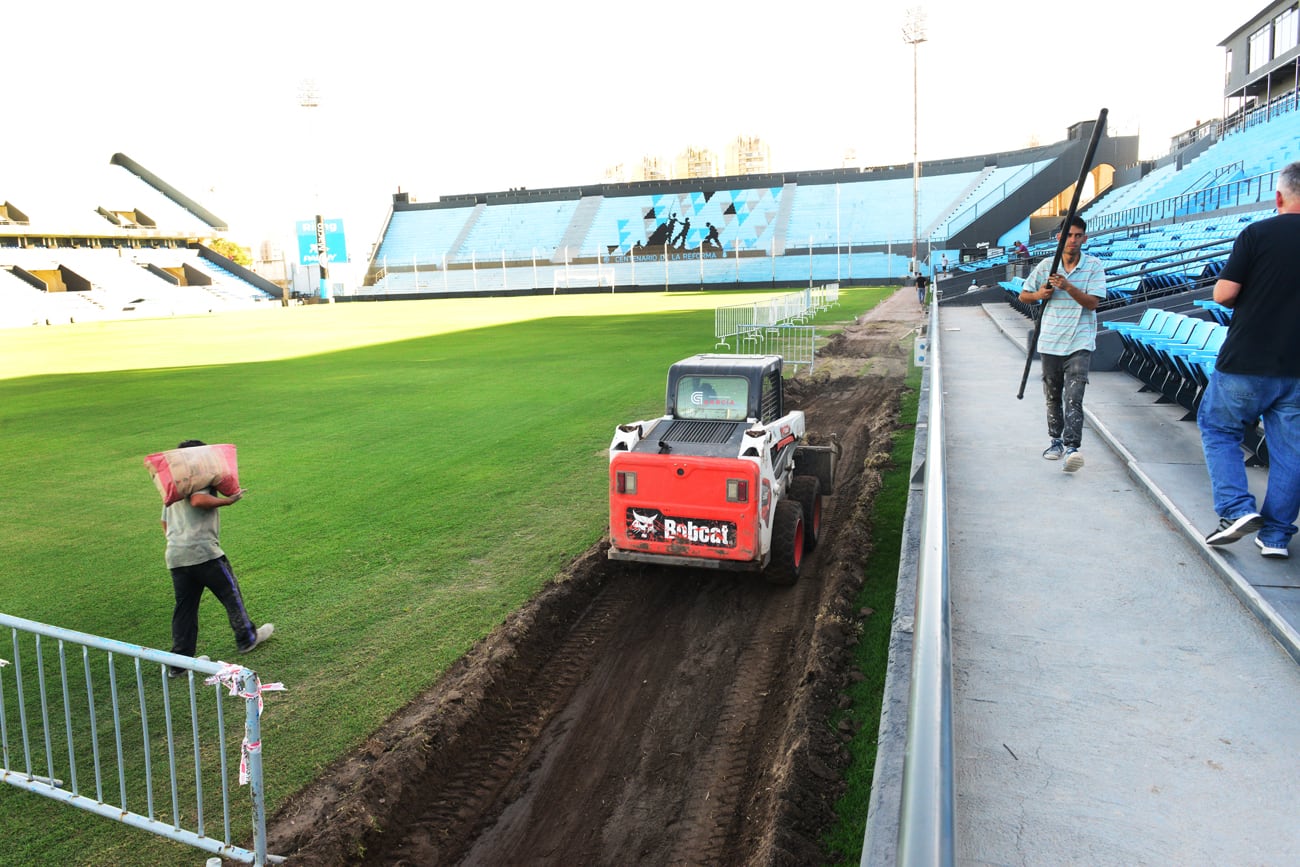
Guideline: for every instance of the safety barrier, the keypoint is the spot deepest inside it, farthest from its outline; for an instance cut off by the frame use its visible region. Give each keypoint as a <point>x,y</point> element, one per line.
<point>774,326</point>
<point>927,823</point>
<point>75,708</point>
<point>742,320</point>
<point>796,344</point>
<point>912,816</point>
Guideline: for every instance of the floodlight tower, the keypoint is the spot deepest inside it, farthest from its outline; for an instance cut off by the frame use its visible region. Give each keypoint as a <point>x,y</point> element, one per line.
<point>309,99</point>
<point>914,35</point>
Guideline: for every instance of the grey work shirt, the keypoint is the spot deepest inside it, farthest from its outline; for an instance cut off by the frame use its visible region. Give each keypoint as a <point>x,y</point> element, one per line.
<point>192,534</point>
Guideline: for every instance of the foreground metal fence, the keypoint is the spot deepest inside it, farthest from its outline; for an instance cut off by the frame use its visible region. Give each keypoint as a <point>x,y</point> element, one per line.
<point>77,710</point>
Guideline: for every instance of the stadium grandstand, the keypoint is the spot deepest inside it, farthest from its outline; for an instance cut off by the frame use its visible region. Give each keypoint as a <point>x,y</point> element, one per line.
<point>129,245</point>
<point>847,225</point>
<point>135,246</point>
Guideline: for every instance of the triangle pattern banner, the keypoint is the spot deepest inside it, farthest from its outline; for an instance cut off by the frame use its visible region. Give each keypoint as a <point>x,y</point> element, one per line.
<point>741,216</point>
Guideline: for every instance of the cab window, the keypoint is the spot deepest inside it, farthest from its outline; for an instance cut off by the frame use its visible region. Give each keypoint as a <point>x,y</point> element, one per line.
<point>770,405</point>
<point>720,398</point>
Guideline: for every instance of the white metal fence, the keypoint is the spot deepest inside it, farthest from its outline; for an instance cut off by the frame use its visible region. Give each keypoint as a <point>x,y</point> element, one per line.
<point>796,344</point>
<point>775,325</point>
<point>77,710</point>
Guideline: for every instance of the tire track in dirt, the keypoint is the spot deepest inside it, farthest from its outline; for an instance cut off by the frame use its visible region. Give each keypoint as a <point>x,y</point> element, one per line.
<point>634,714</point>
<point>717,811</point>
<point>454,811</point>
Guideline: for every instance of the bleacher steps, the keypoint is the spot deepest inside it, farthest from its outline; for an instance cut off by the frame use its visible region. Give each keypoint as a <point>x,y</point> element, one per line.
<point>958,202</point>
<point>783,218</point>
<point>454,250</point>
<point>575,234</point>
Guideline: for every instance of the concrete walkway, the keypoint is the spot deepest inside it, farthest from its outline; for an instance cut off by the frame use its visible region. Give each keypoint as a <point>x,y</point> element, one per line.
<point>1122,694</point>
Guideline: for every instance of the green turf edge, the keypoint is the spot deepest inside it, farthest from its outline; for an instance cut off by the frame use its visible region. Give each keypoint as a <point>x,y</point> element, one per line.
<point>871,656</point>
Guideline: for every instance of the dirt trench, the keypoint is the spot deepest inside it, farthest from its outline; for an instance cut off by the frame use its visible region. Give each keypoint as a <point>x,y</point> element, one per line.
<point>635,714</point>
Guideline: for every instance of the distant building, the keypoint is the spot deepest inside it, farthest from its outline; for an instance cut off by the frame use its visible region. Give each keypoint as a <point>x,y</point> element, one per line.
<point>1260,59</point>
<point>748,155</point>
<point>651,169</point>
<point>616,174</point>
<point>696,163</point>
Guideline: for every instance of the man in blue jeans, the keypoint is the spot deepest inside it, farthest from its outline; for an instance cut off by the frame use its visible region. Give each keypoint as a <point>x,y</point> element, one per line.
<point>1257,375</point>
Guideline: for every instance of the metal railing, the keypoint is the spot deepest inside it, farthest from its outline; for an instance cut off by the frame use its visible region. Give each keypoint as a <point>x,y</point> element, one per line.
<point>926,828</point>
<point>741,320</point>
<point>775,325</point>
<point>1194,205</point>
<point>987,201</point>
<point>847,261</point>
<point>796,344</point>
<point>100,716</point>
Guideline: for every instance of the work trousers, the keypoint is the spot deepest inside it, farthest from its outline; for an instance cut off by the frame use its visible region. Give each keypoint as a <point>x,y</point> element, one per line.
<point>189,582</point>
<point>1064,379</point>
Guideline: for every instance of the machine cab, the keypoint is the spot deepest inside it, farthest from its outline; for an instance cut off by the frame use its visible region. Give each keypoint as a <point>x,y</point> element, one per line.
<point>725,388</point>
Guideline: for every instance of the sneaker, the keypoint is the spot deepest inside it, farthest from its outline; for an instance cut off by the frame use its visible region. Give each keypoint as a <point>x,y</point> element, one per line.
<point>265,631</point>
<point>1232,529</point>
<point>1271,552</point>
<point>1054,451</point>
<point>1073,461</point>
<point>174,673</point>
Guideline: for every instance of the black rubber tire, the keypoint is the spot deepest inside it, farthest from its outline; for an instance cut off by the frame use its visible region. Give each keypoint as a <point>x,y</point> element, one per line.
<point>807,492</point>
<point>787,543</point>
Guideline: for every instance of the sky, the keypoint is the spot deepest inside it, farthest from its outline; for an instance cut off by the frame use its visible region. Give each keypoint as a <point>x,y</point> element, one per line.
<point>444,98</point>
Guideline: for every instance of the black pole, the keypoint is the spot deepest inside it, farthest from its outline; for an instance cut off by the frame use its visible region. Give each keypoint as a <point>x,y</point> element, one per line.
<point>1060,242</point>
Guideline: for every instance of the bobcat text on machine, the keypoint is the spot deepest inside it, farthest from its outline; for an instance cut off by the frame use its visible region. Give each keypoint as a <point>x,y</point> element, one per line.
<point>724,479</point>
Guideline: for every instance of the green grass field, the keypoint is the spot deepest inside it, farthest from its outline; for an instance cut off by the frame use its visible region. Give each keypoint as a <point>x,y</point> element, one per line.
<point>415,470</point>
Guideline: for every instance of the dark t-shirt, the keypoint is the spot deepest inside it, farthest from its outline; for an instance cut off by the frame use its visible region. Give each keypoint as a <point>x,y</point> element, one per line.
<point>1264,336</point>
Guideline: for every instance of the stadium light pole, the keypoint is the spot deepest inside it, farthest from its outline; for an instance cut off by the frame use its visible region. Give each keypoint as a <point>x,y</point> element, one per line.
<point>914,35</point>
<point>309,99</point>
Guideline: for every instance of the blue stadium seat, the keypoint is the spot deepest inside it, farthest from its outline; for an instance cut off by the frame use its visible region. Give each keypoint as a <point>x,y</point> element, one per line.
<point>1221,314</point>
<point>1134,357</point>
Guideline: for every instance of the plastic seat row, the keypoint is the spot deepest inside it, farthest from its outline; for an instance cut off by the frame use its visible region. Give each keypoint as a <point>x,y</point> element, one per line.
<point>1221,314</point>
<point>1175,354</point>
<point>1171,353</point>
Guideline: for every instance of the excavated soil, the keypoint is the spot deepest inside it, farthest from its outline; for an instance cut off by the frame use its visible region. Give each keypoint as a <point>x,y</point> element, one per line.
<point>635,714</point>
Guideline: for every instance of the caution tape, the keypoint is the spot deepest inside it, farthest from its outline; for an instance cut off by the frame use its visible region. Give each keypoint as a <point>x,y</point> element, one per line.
<point>230,676</point>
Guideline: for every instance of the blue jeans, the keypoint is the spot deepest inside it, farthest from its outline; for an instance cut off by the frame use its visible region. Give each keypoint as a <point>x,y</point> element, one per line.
<point>1231,404</point>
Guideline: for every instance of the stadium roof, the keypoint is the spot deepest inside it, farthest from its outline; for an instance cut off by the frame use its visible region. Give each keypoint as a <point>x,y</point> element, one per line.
<point>114,199</point>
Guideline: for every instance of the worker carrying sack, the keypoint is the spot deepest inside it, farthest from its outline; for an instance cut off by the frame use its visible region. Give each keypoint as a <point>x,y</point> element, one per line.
<point>177,473</point>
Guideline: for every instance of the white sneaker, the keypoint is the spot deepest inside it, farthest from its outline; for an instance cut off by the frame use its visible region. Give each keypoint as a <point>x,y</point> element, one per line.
<point>1232,529</point>
<point>265,631</point>
<point>1270,552</point>
<point>1073,461</point>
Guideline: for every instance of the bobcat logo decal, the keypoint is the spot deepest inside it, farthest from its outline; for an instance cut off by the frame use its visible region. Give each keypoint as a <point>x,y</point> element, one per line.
<point>655,526</point>
<point>644,526</point>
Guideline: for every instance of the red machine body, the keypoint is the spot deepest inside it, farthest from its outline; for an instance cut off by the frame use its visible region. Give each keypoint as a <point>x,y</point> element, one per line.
<point>704,484</point>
